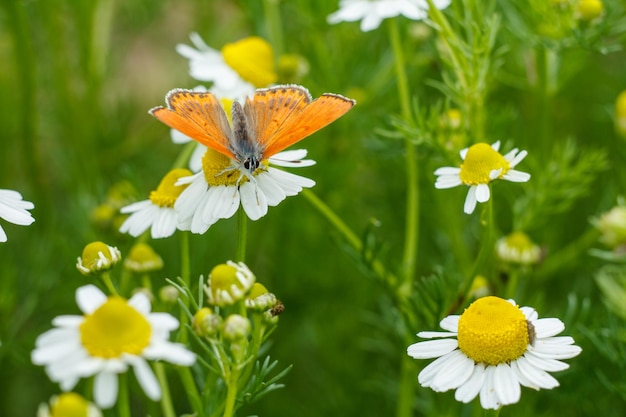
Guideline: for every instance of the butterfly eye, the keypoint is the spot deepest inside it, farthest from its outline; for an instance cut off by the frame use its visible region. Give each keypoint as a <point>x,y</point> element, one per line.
<point>251,164</point>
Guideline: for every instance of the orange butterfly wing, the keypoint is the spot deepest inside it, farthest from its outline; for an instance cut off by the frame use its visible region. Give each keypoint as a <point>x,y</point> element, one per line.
<point>198,115</point>
<point>284,115</point>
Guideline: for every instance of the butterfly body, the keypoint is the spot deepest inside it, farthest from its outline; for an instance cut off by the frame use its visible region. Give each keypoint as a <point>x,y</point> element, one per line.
<point>272,120</point>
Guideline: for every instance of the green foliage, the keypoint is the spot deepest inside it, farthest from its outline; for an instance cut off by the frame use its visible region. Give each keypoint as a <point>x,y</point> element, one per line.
<point>78,78</point>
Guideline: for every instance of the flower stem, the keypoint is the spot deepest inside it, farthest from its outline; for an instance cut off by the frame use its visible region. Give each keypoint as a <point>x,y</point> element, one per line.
<point>184,155</point>
<point>485,255</point>
<point>274,25</point>
<point>191,390</point>
<point>183,337</point>
<point>166,397</point>
<point>242,234</point>
<point>492,413</point>
<point>412,202</point>
<point>231,395</point>
<point>123,404</point>
<point>106,279</point>
<point>377,267</point>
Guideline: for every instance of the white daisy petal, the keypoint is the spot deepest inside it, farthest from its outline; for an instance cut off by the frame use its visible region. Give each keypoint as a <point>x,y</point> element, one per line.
<point>537,377</point>
<point>470,200</point>
<point>472,386</point>
<point>547,327</point>
<point>89,298</point>
<point>450,323</point>
<point>547,364</point>
<point>488,396</point>
<point>482,193</point>
<point>432,348</point>
<point>448,171</point>
<point>507,386</point>
<point>146,378</point>
<point>105,389</point>
<point>140,302</point>
<point>432,335</point>
<point>516,176</point>
<point>458,369</point>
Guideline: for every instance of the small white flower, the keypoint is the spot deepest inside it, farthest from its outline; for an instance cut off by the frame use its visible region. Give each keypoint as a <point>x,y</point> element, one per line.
<point>157,213</point>
<point>491,350</point>
<point>221,187</point>
<point>14,210</point>
<point>112,335</point>
<point>481,165</point>
<point>372,12</point>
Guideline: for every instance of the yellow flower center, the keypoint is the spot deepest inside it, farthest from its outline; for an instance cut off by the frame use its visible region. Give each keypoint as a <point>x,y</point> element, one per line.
<point>493,331</point>
<point>223,276</point>
<point>480,161</point>
<point>143,258</point>
<point>519,241</point>
<point>166,193</point>
<point>253,59</point>
<point>113,329</point>
<point>219,169</point>
<point>69,404</point>
<point>590,9</point>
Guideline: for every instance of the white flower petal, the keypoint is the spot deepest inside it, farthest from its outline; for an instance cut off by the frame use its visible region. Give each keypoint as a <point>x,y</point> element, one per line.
<point>146,378</point>
<point>516,176</point>
<point>89,298</point>
<point>140,302</point>
<point>470,388</point>
<point>172,352</point>
<point>432,335</point>
<point>507,386</point>
<point>450,323</point>
<point>470,200</point>
<point>547,327</point>
<point>253,201</point>
<point>482,193</point>
<point>547,364</point>
<point>458,369</point>
<point>535,377</point>
<point>105,389</point>
<point>448,171</point>
<point>488,396</point>
<point>432,348</point>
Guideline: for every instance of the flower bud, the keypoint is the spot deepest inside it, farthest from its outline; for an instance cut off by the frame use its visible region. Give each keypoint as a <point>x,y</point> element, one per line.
<point>68,404</point>
<point>98,257</point>
<point>142,258</point>
<point>517,248</point>
<point>168,294</point>
<point>260,299</point>
<point>228,283</point>
<point>205,322</point>
<point>612,227</point>
<point>236,327</point>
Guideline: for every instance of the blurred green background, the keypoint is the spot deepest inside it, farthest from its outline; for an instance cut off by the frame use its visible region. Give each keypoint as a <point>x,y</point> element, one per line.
<point>76,81</point>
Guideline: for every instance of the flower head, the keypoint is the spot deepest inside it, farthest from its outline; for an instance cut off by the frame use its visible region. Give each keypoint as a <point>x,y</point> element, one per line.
<point>157,213</point>
<point>142,258</point>
<point>491,350</point>
<point>612,226</point>
<point>372,12</point>
<point>517,248</point>
<point>217,191</point>
<point>98,257</point>
<point>68,404</point>
<point>481,165</point>
<point>14,210</point>
<point>112,335</point>
<point>236,70</point>
<point>228,283</point>
<point>620,114</point>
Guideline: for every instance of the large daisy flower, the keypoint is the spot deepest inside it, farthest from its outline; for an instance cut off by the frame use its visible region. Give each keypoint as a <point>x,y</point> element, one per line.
<point>112,335</point>
<point>157,213</point>
<point>481,165</point>
<point>217,191</point>
<point>491,350</point>
<point>14,210</point>
<point>235,71</point>
<point>372,12</point>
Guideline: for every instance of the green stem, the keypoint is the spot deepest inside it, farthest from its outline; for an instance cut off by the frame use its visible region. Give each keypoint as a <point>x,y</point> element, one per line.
<point>404,406</point>
<point>412,202</point>
<point>166,397</point>
<point>543,97</point>
<point>183,337</point>
<point>123,404</point>
<point>242,234</point>
<point>513,283</point>
<point>274,25</point>
<point>231,395</point>
<point>185,154</point>
<point>192,390</point>
<point>492,413</point>
<point>485,255</point>
<point>106,279</point>
<point>350,237</point>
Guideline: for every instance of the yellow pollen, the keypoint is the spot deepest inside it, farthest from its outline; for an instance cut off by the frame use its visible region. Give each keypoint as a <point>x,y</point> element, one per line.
<point>480,160</point>
<point>113,329</point>
<point>166,193</point>
<point>493,331</point>
<point>220,170</point>
<point>253,59</point>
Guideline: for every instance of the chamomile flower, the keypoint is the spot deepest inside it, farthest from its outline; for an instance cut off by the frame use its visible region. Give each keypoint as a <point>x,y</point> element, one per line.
<point>236,70</point>
<point>372,12</point>
<point>157,213</point>
<point>112,335</point>
<point>14,209</point>
<point>68,404</point>
<point>221,187</point>
<point>481,165</point>
<point>493,349</point>
<point>518,248</point>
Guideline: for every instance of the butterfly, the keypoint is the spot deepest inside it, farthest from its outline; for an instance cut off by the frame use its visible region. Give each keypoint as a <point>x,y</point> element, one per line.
<point>272,120</point>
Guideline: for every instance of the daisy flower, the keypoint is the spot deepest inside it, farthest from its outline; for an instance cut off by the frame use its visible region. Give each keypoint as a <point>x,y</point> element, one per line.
<point>372,12</point>
<point>228,283</point>
<point>68,404</point>
<point>518,248</point>
<point>217,191</point>
<point>235,71</point>
<point>14,210</point>
<point>157,213</point>
<point>491,350</point>
<point>481,165</point>
<point>112,335</point>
